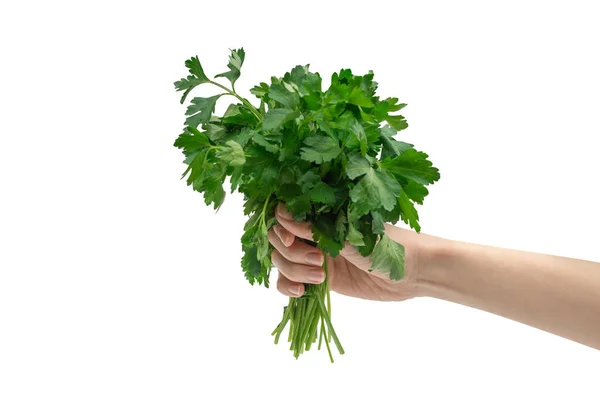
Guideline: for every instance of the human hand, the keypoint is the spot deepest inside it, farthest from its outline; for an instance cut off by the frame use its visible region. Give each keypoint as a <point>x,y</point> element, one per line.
<point>349,274</point>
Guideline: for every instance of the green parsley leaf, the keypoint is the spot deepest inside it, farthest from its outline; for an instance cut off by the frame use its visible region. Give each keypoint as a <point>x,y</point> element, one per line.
<point>377,224</point>
<point>277,117</point>
<point>388,256</point>
<point>360,134</point>
<point>322,193</point>
<point>413,165</point>
<point>319,149</point>
<point>237,114</point>
<point>281,94</point>
<point>374,190</point>
<point>354,236</point>
<point>197,167</point>
<point>260,90</point>
<point>198,77</point>
<point>393,104</point>
<point>252,267</point>
<point>242,136</point>
<point>265,143</point>
<point>357,166</point>
<point>213,190</point>
<point>299,206</point>
<point>325,234</point>
<point>308,180</point>
<point>192,139</point>
<point>369,238</point>
<point>232,153</point>
<point>386,106</point>
<point>236,59</point>
<point>397,121</point>
<point>341,226</point>
<point>408,212</point>
<point>200,110</point>
<point>359,98</point>
<point>214,132</point>
<point>236,178</point>
<point>195,68</point>
<point>262,242</point>
<point>415,191</point>
<point>390,146</point>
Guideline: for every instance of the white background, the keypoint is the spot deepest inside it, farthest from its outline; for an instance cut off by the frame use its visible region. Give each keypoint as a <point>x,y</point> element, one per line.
<point>116,282</point>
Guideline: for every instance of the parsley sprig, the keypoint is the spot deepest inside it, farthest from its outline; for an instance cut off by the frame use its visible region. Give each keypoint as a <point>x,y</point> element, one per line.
<point>331,156</point>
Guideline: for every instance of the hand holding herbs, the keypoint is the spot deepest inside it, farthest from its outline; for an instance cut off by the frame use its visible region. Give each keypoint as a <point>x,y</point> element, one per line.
<point>330,156</point>
<point>350,273</point>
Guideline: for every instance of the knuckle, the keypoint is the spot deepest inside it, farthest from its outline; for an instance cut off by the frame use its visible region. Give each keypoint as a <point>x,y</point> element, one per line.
<point>297,273</point>
<point>292,272</point>
<point>292,253</point>
<point>298,252</point>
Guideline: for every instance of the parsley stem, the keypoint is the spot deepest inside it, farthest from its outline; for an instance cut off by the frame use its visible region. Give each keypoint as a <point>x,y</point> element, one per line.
<point>308,321</point>
<point>321,334</point>
<point>330,329</point>
<point>304,314</point>
<point>326,285</point>
<point>292,317</point>
<point>328,348</point>
<point>240,98</point>
<point>282,324</point>
<point>264,211</point>
<point>312,332</point>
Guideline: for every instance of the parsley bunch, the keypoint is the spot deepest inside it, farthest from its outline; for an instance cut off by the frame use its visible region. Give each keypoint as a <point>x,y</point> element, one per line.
<point>330,155</point>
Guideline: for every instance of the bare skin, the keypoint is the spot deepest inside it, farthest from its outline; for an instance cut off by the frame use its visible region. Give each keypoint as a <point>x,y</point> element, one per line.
<point>556,294</point>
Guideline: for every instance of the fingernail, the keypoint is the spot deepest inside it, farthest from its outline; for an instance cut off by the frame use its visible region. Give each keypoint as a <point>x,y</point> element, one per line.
<point>314,259</point>
<point>278,232</point>
<point>284,235</point>
<point>295,290</point>
<point>315,276</point>
<point>283,212</point>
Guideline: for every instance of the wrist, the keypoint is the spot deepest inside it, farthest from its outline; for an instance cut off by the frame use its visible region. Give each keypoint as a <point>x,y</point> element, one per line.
<point>428,261</point>
<point>434,265</point>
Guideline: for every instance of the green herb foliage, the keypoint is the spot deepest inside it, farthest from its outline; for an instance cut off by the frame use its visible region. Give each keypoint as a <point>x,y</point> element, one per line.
<point>330,155</point>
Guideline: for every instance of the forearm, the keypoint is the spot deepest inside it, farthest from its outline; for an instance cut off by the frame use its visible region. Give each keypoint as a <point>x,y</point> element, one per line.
<point>556,294</point>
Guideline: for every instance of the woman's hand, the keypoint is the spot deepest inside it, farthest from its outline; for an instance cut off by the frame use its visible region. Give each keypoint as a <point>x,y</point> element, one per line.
<point>300,263</point>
